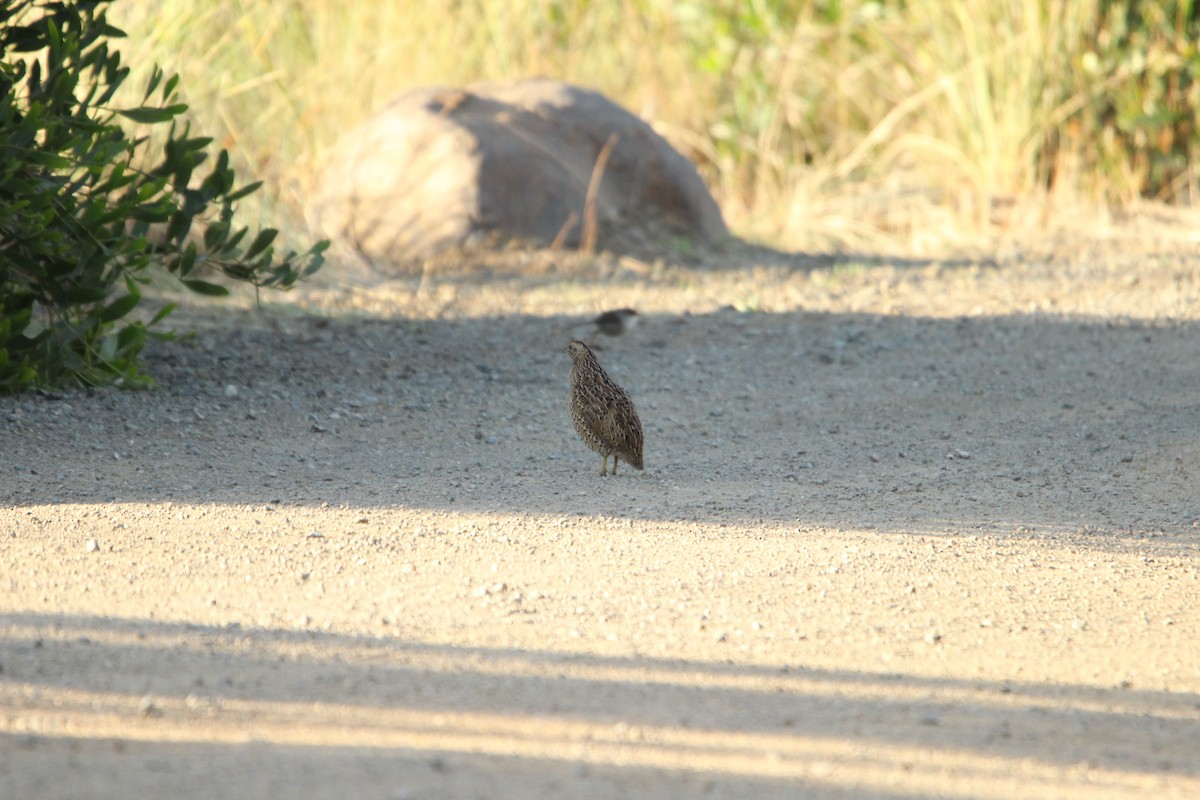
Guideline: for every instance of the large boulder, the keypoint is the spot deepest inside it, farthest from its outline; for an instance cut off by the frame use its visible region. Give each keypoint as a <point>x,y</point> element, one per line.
<point>444,168</point>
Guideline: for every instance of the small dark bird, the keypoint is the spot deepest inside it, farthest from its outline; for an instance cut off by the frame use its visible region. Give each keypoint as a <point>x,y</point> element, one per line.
<point>603,414</point>
<point>617,322</point>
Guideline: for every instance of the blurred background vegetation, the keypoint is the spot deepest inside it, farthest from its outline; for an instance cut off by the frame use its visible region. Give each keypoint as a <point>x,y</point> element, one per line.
<point>818,124</point>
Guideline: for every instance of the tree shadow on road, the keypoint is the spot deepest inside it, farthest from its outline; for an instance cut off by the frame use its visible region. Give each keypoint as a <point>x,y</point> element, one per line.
<point>1017,425</point>
<point>121,694</point>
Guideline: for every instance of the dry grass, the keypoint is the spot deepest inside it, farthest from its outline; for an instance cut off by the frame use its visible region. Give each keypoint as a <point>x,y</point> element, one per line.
<point>872,127</point>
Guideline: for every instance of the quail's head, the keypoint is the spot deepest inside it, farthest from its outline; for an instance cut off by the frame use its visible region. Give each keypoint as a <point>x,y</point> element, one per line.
<point>577,350</point>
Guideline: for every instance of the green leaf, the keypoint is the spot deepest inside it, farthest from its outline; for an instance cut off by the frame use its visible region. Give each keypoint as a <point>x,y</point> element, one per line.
<point>186,261</point>
<point>161,315</point>
<point>152,115</point>
<point>45,159</point>
<point>248,189</point>
<point>178,227</point>
<point>205,288</point>
<point>196,143</point>
<point>131,339</point>
<point>25,38</point>
<point>215,234</point>
<point>155,77</point>
<point>120,307</point>
<point>261,242</point>
<point>53,35</point>
<point>233,242</point>
<point>104,28</point>
<point>83,295</point>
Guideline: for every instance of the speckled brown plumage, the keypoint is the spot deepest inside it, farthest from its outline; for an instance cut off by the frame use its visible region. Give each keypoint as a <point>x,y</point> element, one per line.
<point>603,414</point>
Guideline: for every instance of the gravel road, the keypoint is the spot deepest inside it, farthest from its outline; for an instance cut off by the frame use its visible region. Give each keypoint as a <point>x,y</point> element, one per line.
<point>907,529</point>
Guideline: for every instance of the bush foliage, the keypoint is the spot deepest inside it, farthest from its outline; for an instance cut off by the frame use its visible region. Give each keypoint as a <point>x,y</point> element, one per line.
<point>86,210</point>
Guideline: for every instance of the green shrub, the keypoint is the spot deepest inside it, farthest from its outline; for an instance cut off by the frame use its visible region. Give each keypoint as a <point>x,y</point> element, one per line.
<point>86,212</point>
<point>1143,62</point>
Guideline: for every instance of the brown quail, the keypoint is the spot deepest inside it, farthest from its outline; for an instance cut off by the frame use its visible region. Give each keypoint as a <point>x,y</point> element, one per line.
<point>603,414</point>
<point>616,322</point>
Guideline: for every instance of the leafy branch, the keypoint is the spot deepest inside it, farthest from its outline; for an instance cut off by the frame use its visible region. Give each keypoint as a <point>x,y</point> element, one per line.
<point>82,222</point>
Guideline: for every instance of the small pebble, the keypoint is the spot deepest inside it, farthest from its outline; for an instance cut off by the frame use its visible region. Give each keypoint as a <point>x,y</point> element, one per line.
<point>92,545</point>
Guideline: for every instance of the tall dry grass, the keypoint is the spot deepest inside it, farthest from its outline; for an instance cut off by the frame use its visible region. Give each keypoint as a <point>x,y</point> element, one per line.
<point>817,125</point>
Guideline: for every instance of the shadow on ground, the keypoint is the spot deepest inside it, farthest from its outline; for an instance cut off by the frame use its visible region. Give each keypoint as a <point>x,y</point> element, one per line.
<point>394,711</point>
<point>1008,425</point>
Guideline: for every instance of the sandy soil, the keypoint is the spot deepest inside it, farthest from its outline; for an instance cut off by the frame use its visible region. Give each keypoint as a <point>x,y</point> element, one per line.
<point>907,529</point>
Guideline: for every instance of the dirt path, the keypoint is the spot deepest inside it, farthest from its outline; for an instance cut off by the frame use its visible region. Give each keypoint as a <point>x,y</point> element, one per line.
<point>906,530</point>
